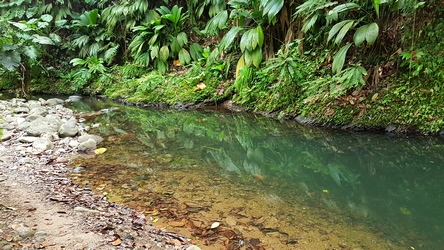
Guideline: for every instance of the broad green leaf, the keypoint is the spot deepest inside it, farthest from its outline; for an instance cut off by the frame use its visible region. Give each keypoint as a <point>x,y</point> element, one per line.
<point>22,26</point>
<point>164,53</point>
<point>42,40</point>
<point>143,59</point>
<point>335,29</point>
<point>196,51</point>
<point>256,56</point>
<point>154,51</point>
<point>77,61</point>
<point>161,66</point>
<point>47,18</point>
<point>339,59</point>
<point>42,25</point>
<point>216,23</point>
<point>175,46</point>
<point>249,40</point>
<point>31,52</point>
<point>55,38</point>
<point>111,53</point>
<point>372,33</point>
<point>309,24</point>
<point>368,32</point>
<point>153,39</point>
<point>182,39</point>
<point>248,57</point>
<point>260,33</point>
<point>10,60</point>
<point>184,56</point>
<point>60,23</point>
<point>343,31</point>
<point>228,39</point>
<point>271,8</point>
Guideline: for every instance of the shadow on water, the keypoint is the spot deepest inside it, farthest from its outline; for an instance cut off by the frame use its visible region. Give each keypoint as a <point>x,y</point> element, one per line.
<point>369,190</point>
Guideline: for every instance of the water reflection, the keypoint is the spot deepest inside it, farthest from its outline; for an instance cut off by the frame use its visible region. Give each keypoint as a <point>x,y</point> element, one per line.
<point>391,184</point>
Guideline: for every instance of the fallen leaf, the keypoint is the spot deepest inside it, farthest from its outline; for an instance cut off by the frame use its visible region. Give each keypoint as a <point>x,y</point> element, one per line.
<point>177,63</point>
<point>200,86</point>
<point>231,221</point>
<point>176,223</point>
<point>375,96</point>
<point>215,225</point>
<point>117,242</point>
<point>47,244</point>
<point>100,151</point>
<point>175,242</point>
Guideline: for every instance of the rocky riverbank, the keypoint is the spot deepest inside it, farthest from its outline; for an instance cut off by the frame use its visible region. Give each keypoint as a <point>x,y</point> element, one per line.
<point>40,207</point>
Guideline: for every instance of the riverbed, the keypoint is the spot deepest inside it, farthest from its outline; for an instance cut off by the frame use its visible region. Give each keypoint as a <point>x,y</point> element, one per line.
<point>229,180</point>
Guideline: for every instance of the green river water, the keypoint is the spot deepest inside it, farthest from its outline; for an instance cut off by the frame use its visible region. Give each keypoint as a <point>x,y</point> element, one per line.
<point>269,184</point>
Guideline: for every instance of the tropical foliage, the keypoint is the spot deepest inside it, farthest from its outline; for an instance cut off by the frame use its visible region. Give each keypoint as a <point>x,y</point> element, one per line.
<point>295,56</point>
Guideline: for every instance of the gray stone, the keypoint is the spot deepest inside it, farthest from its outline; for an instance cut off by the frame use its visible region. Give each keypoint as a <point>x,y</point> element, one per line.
<point>193,247</point>
<point>7,126</point>
<point>6,159</point>
<point>42,144</point>
<point>9,119</point>
<point>21,110</point>
<point>33,117</point>
<point>6,135</point>
<point>86,137</point>
<point>40,234</point>
<point>73,144</point>
<point>54,101</point>
<point>48,124</point>
<point>27,160</point>
<point>20,120</point>
<point>74,98</point>
<point>68,129</point>
<point>27,139</point>
<point>23,126</point>
<point>90,144</point>
<point>86,210</point>
<point>38,111</point>
<point>24,232</point>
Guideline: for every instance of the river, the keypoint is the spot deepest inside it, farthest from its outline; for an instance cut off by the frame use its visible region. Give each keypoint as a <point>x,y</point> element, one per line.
<point>237,181</point>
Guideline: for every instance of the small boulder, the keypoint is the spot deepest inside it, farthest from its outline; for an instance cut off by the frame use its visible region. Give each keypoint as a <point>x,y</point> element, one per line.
<point>27,139</point>
<point>85,137</point>
<point>21,110</point>
<point>68,129</point>
<point>42,144</point>
<point>41,125</point>
<point>53,102</point>
<point>90,144</point>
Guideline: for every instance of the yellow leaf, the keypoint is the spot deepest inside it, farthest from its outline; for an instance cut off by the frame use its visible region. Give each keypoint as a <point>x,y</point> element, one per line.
<point>177,63</point>
<point>117,242</point>
<point>375,96</point>
<point>200,86</point>
<point>240,64</point>
<point>100,151</point>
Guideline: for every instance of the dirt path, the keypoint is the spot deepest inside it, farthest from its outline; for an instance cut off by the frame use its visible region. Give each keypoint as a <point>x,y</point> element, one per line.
<point>29,220</point>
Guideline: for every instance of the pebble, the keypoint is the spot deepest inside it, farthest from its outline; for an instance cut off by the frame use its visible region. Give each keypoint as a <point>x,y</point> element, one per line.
<point>193,247</point>
<point>24,232</point>
<point>86,210</point>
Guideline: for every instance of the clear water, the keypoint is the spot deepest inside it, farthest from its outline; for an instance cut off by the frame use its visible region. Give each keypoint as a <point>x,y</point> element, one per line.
<point>323,188</point>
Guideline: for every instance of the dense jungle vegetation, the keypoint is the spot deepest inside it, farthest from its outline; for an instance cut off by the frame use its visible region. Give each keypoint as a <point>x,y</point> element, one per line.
<point>372,64</point>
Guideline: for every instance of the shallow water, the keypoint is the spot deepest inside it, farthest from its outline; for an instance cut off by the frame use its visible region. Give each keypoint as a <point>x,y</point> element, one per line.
<point>270,184</point>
